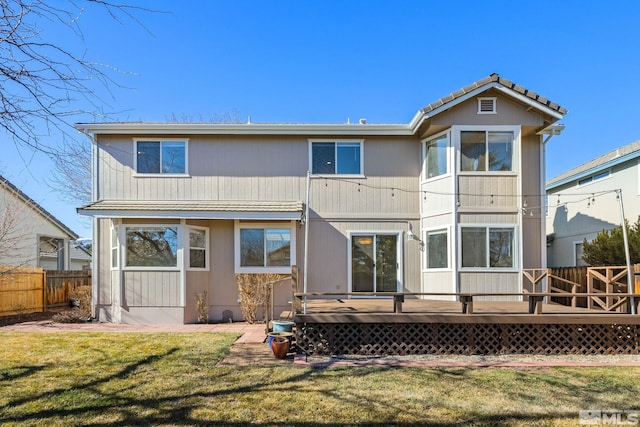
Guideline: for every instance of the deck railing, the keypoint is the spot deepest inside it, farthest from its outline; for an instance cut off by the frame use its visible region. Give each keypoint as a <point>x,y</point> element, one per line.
<point>605,288</point>
<point>466,299</point>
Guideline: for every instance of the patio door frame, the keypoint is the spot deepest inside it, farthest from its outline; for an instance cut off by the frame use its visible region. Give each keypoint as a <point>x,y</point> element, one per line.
<point>399,257</point>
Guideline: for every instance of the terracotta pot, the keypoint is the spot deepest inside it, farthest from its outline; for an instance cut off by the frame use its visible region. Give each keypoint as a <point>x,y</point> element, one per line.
<point>280,347</point>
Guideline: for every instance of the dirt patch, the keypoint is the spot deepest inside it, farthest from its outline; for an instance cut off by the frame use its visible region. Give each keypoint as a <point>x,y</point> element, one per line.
<point>29,317</point>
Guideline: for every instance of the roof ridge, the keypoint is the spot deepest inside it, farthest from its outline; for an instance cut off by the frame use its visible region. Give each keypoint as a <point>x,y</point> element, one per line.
<point>494,78</point>
<point>7,184</point>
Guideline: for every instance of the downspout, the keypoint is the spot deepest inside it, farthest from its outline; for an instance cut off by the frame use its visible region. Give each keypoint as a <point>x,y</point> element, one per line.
<point>542,203</point>
<point>95,249</point>
<point>306,240</point>
<point>630,279</point>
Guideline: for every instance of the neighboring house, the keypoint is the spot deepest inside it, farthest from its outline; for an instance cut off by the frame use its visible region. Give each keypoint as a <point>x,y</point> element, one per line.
<point>79,257</point>
<point>29,235</point>
<point>582,202</point>
<point>434,205</point>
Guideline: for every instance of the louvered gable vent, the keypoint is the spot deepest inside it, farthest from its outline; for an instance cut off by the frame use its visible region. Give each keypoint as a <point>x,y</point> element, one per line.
<point>486,105</point>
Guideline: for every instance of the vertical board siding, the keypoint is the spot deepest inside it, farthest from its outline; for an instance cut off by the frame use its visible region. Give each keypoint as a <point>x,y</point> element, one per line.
<point>438,281</point>
<point>107,279</point>
<point>152,288</point>
<point>493,282</point>
<point>261,168</point>
<point>488,218</point>
<point>439,196</point>
<point>476,190</point>
<point>329,254</point>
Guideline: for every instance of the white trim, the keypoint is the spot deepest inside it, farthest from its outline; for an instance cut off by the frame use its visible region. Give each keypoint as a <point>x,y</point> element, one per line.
<point>494,105</point>
<point>515,245</point>
<point>423,142</point>
<point>125,214</point>
<point>400,129</point>
<point>399,254</point>
<point>160,140</point>
<point>425,257</point>
<point>113,232</point>
<point>336,141</point>
<point>237,226</point>
<point>206,248</point>
<point>529,101</point>
<point>179,254</point>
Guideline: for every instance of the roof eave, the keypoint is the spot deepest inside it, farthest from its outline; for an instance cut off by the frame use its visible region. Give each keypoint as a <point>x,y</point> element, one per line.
<point>591,171</point>
<point>241,215</point>
<point>244,129</point>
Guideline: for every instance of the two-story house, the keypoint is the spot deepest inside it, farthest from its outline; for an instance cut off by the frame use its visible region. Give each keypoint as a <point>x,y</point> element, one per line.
<point>438,204</point>
<point>583,201</point>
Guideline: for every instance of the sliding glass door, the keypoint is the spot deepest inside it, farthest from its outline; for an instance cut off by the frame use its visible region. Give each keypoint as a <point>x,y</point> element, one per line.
<point>375,264</point>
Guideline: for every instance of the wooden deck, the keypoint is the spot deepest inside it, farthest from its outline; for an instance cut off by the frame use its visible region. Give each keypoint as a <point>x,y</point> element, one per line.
<point>371,310</point>
<point>380,326</point>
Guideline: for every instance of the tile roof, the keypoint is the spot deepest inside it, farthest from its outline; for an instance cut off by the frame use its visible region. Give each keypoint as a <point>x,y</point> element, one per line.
<point>603,161</point>
<point>33,204</point>
<point>494,79</point>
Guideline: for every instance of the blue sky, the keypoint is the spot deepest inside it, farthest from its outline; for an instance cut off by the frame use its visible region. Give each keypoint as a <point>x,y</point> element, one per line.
<point>302,61</point>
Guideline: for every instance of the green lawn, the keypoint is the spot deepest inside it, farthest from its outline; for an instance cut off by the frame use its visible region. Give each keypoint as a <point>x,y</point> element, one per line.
<point>172,379</point>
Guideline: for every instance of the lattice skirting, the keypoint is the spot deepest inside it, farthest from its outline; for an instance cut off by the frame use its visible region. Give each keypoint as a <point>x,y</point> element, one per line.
<point>464,338</point>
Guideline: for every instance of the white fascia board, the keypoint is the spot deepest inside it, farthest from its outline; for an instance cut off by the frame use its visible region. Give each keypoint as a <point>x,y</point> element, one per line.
<point>96,213</point>
<point>244,129</point>
<point>531,102</point>
<point>458,100</point>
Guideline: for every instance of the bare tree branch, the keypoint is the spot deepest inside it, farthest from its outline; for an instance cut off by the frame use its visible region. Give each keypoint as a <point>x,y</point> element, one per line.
<point>44,84</point>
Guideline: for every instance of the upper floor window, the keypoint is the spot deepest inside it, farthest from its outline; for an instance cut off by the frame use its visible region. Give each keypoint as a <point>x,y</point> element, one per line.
<point>594,177</point>
<point>336,157</point>
<point>486,151</point>
<point>436,156</point>
<point>161,157</point>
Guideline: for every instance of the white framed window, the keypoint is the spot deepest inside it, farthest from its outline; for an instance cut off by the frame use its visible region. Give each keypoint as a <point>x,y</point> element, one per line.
<point>487,105</point>
<point>262,247</point>
<point>435,157</point>
<point>484,247</point>
<point>114,248</point>
<point>151,247</point>
<point>578,252</point>
<point>161,156</point>
<point>198,248</point>
<point>595,177</point>
<point>336,157</point>
<point>486,151</point>
<point>437,249</point>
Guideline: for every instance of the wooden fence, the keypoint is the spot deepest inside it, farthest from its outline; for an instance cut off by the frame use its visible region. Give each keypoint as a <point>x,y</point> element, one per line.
<point>61,284</point>
<point>22,290</point>
<point>32,289</point>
